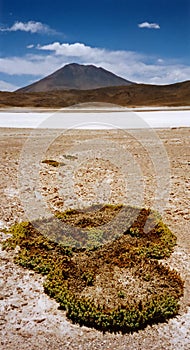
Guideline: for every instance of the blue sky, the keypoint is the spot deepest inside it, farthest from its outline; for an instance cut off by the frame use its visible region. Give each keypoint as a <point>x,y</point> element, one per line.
<point>145,41</point>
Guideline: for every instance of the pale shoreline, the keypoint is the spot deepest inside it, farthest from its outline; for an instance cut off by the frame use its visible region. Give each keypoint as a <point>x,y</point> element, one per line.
<point>91,109</point>
<point>35,319</point>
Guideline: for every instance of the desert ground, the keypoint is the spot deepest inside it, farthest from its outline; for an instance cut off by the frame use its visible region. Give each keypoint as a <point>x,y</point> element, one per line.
<point>28,317</point>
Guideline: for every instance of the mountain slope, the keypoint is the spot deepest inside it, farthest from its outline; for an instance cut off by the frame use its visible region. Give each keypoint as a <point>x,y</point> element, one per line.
<point>134,95</point>
<point>76,76</point>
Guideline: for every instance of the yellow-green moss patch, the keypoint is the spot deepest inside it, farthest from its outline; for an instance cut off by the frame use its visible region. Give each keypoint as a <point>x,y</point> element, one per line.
<point>113,284</point>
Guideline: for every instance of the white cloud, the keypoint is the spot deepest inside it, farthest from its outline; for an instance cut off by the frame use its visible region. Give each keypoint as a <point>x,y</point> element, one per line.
<point>130,65</point>
<point>149,25</point>
<point>160,60</point>
<point>29,65</point>
<point>4,86</point>
<point>30,26</point>
<point>89,54</point>
<point>30,46</point>
<point>74,50</point>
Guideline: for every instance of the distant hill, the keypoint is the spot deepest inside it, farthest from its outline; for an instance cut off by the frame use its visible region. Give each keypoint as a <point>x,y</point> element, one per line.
<point>134,95</point>
<point>76,76</point>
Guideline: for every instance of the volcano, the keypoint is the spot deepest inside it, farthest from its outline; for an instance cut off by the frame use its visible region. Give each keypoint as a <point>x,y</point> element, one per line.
<point>77,76</point>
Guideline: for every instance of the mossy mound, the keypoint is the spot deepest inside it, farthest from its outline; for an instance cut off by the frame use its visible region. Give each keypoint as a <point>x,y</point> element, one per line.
<point>114,284</point>
<point>97,225</point>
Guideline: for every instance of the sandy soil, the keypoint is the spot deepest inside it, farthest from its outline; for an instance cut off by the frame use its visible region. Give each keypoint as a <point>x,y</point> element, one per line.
<point>29,318</point>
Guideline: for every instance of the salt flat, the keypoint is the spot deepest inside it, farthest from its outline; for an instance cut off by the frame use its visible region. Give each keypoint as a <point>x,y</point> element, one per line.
<point>96,119</point>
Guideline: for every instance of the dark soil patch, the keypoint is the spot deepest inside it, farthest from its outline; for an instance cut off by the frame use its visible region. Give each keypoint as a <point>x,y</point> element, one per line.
<point>52,162</point>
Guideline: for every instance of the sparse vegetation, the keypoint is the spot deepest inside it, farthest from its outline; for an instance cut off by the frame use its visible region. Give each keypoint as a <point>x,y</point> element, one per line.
<point>121,294</point>
<point>69,157</point>
<point>52,162</point>
<point>112,284</point>
<point>135,95</point>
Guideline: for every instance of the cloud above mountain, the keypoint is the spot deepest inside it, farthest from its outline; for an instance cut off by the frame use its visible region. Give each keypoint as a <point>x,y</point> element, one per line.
<point>45,59</point>
<point>74,50</point>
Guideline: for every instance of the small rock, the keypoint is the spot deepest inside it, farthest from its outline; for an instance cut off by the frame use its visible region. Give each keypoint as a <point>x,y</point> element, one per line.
<point>15,304</point>
<point>39,320</point>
